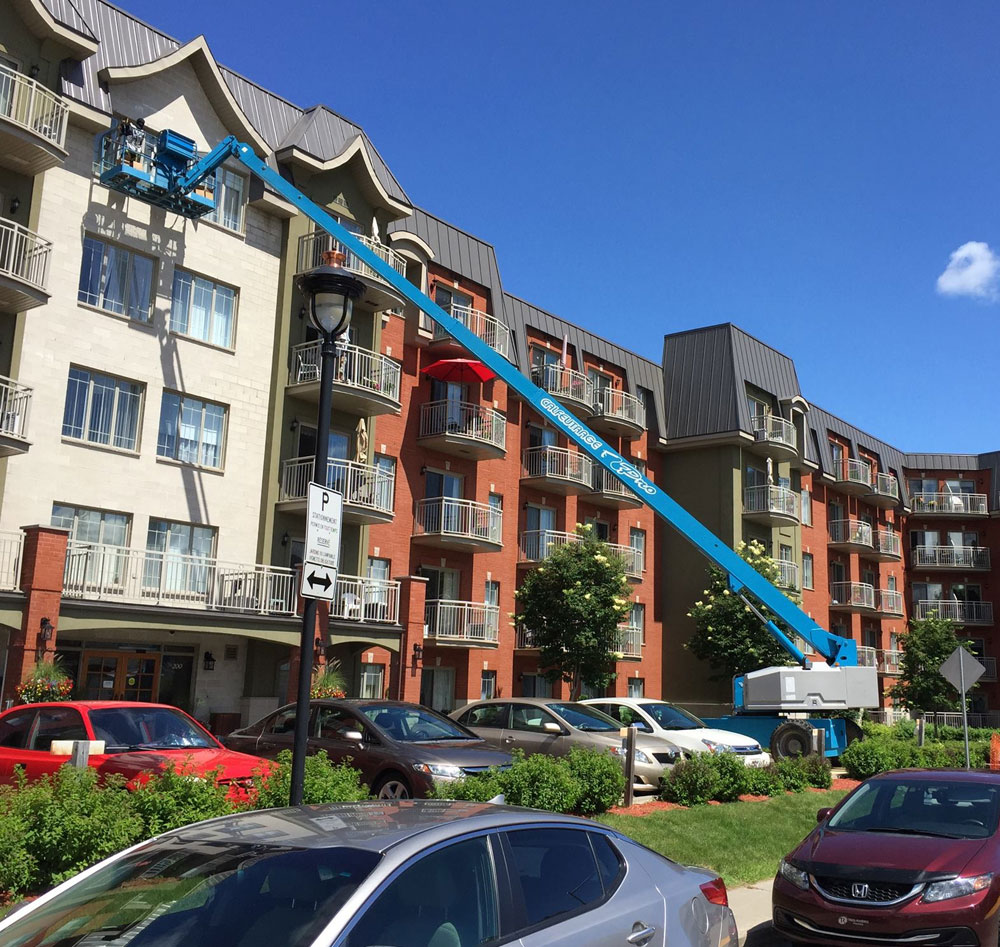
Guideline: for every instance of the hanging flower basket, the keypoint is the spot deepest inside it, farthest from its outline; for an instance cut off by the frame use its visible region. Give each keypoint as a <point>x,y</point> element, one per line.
<point>41,691</point>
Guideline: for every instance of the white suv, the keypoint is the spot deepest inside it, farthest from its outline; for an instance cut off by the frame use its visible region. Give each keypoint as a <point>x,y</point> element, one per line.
<point>681,728</point>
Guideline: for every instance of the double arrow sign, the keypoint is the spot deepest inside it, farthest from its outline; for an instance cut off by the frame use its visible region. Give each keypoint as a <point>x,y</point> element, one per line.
<point>317,576</point>
<point>324,514</point>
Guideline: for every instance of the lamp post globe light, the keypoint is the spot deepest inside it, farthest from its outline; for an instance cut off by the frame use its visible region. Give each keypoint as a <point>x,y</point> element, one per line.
<point>329,293</point>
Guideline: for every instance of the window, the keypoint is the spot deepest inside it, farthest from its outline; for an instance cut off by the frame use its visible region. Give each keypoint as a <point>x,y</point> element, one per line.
<point>807,507</point>
<point>102,409</point>
<point>92,526</point>
<point>535,685</point>
<point>57,723</point>
<point>637,618</point>
<point>488,685</point>
<point>372,676</point>
<point>636,687</point>
<point>15,727</point>
<point>530,718</point>
<point>378,568</point>
<point>839,455</point>
<point>447,297</point>
<point>487,716</point>
<point>807,570</point>
<point>172,558</point>
<point>759,410</point>
<point>230,189</point>
<point>191,431</point>
<point>202,309</point>
<point>116,280</point>
<point>637,540</point>
<point>282,722</point>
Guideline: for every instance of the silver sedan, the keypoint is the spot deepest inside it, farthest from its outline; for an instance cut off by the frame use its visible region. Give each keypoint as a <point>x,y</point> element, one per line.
<point>422,873</point>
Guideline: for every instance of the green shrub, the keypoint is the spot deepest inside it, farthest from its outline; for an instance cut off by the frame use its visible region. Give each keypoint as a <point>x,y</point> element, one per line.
<point>732,777</point>
<point>818,770</point>
<point>793,773</point>
<point>601,779</point>
<point>692,782</point>
<point>323,782</point>
<point>541,782</point>
<point>865,758</point>
<point>178,797</point>
<point>479,788</point>
<point>764,780</point>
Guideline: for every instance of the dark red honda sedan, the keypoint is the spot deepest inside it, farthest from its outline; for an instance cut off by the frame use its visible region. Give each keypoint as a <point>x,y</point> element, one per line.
<point>909,857</point>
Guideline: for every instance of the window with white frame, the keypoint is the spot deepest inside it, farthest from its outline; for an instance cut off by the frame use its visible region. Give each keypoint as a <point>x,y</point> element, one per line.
<point>807,570</point>
<point>372,677</point>
<point>807,507</point>
<point>488,685</point>
<point>173,554</point>
<point>87,525</point>
<point>116,280</point>
<point>191,431</point>
<point>202,309</point>
<point>102,409</point>
<point>637,619</point>
<point>637,540</point>
<point>230,200</point>
<point>636,687</point>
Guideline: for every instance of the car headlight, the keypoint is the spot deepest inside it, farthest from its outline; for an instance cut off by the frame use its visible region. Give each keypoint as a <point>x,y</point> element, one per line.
<point>714,747</point>
<point>639,757</point>
<point>443,770</point>
<point>796,876</point>
<point>957,887</point>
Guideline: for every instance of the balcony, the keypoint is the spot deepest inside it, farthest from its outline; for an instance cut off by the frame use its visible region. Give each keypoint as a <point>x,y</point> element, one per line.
<point>788,574</point>
<point>867,657</point>
<point>557,470</point>
<point>771,505</point>
<point>492,330</point>
<point>369,492</point>
<point>451,523</point>
<point>966,558</point>
<point>775,437</point>
<point>887,547</point>
<point>537,544</point>
<point>24,268</point>
<point>962,613</point>
<point>949,504</point>
<point>990,663</point>
<point>463,429</point>
<point>890,662</point>
<point>15,404</point>
<point>360,599</point>
<point>571,388</point>
<point>524,640</point>
<point>611,492</point>
<point>378,293</point>
<point>32,124</point>
<point>852,597</point>
<point>854,477</point>
<point>468,624</point>
<point>616,413</point>
<point>884,492</point>
<point>364,383</point>
<point>11,549</point>
<point>629,641</point>
<point>889,603</point>
<point>103,573</point>
<point>851,535</point>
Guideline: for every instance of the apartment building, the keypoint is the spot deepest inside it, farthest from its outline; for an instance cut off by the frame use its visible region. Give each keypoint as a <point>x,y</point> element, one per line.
<point>158,425</point>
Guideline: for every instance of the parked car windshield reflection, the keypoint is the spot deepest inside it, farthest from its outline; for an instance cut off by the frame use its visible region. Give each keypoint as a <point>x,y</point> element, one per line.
<point>585,718</point>
<point>414,724</point>
<point>673,718</point>
<point>146,728</point>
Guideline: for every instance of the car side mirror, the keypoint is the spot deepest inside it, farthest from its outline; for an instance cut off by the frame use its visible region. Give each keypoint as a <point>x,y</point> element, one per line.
<point>353,736</point>
<point>823,814</point>
<point>551,727</point>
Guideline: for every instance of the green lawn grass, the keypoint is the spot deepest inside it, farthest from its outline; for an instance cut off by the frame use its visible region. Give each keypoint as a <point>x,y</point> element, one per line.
<point>742,841</point>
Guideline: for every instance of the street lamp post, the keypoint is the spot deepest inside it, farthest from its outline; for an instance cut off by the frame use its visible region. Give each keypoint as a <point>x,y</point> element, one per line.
<point>329,293</point>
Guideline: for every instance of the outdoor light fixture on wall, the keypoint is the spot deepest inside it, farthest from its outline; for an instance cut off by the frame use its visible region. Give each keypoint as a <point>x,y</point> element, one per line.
<point>294,426</point>
<point>284,539</point>
<point>208,662</point>
<point>15,203</point>
<point>33,71</point>
<point>418,651</point>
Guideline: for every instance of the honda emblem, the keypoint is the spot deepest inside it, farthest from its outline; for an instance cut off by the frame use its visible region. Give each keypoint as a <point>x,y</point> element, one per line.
<point>859,891</point>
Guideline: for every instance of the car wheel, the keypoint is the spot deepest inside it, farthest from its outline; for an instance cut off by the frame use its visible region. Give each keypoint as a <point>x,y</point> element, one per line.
<point>392,786</point>
<point>791,738</point>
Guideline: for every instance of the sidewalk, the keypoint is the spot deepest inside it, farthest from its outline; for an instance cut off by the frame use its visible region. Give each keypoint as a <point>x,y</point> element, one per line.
<point>751,905</point>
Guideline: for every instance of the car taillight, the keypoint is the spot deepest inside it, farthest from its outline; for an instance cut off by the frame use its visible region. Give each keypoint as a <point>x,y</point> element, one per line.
<point>715,891</point>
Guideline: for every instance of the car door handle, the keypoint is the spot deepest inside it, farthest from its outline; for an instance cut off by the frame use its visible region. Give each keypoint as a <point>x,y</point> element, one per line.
<point>642,935</point>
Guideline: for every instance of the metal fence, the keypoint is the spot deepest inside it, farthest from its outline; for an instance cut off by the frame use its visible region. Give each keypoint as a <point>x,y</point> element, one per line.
<point>24,255</point>
<point>558,463</point>
<point>464,419</point>
<point>464,519</point>
<point>27,103</point>
<point>356,598</point>
<point>354,367</point>
<point>472,622</point>
<point>371,488</point>
<point>493,331</point>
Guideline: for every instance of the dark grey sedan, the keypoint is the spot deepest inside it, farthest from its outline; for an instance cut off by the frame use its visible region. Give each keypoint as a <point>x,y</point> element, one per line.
<point>420,873</point>
<point>401,749</point>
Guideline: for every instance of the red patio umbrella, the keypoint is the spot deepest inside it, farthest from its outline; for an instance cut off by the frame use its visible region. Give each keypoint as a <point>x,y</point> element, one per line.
<point>461,370</point>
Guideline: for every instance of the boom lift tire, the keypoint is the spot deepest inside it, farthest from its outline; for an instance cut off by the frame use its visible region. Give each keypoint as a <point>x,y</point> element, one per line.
<point>791,738</point>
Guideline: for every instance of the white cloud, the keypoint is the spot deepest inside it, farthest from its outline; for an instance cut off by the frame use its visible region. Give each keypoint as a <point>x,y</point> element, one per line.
<point>973,270</point>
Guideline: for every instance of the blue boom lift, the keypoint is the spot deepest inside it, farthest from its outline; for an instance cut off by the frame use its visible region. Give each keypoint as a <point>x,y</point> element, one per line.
<point>167,172</point>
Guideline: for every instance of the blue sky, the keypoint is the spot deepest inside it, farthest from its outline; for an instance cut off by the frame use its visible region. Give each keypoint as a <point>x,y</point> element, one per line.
<point>806,171</point>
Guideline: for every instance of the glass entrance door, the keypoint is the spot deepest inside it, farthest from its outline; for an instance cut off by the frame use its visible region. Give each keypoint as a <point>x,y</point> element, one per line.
<point>120,675</point>
<point>437,689</point>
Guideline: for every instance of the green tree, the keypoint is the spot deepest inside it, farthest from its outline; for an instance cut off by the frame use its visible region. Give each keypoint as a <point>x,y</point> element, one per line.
<point>728,635</point>
<point>572,605</point>
<point>926,646</point>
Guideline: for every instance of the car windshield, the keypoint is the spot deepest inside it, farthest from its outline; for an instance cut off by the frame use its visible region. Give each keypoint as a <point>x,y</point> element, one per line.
<point>146,728</point>
<point>582,717</point>
<point>412,724</point>
<point>200,894</point>
<point>945,808</point>
<point>673,718</point>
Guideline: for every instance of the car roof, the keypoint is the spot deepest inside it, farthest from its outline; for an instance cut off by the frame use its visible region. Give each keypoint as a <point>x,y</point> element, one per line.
<point>540,701</point>
<point>91,704</point>
<point>952,775</point>
<point>376,825</point>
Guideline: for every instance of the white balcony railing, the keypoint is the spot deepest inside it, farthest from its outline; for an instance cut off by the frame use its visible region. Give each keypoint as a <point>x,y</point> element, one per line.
<point>855,532</point>
<point>15,405</point>
<point>11,549</point>
<point>853,594</point>
<point>867,657</point>
<point>361,599</point>
<point>889,662</point>
<point>629,641</point>
<point>768,498</point>
<point>950,503</point>
<point>537,544</point>
<point>462,622</point>
<point>464,419</point>
<point>354,367</point>
<point>788,574</point>
<point>965,613</point>
<point>853,470</point>
<point>24,255</point>
<point>890,602</point>
<point>564,383</point>
<point>774,429</point>
<point>524,640</point>
<point>615,403</point>
<point>27,103</point>
<point>144,577</point>
<point>460,519</point>
<point>312,246</point>
<point>951,557</point>
<point>887,542</point>
<point>361,485</point>
<point>607,483</point>
<point>493,331</point>
<point>886,485</point>
<point>558,463</point>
